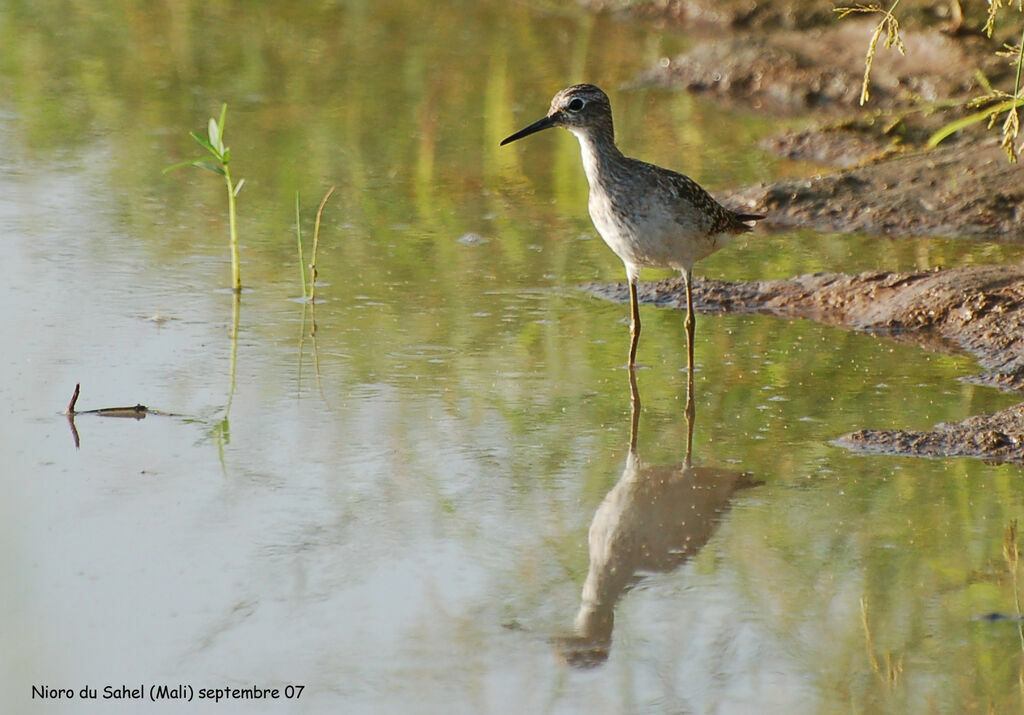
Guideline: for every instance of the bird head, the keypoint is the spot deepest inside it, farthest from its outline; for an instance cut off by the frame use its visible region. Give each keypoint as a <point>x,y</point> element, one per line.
<point>577,108</point>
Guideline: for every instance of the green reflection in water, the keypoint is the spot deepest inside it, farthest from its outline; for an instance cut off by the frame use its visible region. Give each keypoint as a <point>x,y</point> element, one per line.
<point>402,105</point>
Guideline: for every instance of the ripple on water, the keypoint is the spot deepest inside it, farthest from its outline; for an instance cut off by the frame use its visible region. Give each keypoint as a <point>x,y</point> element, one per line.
<point>428,353</point>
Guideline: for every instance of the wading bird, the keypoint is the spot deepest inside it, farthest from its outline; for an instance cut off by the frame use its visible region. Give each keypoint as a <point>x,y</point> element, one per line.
<point>649,216</point>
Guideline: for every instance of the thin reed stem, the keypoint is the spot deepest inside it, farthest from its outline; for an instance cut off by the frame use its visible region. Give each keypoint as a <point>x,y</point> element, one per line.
<point>298,236</point>
<point>316,244</point>
<point>236,269</point>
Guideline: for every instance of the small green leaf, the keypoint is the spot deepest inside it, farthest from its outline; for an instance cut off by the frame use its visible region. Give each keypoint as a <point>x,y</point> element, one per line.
<point>223,116</point>
<point>201,163</point>
<point>238,186</point>
<point>180,164</point>
<point>214,131</point>
<point>210,166</point>
<point>205,143</point>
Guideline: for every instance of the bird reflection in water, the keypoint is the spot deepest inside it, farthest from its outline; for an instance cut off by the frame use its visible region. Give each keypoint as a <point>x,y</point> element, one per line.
<point>656,518</point>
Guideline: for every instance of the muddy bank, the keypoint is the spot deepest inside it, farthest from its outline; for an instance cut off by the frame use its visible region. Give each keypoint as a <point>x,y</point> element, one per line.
<point>968,190</point>
<point>876,175</point>
<point>822,68</point>
<point>978,309</point>
<point>998,437</point>
<point>758,15</point>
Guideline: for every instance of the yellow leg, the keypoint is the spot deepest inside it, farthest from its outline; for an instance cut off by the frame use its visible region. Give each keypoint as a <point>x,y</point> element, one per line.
<point>634,409</point>
<point>634,324</point>
<point>688,281</point>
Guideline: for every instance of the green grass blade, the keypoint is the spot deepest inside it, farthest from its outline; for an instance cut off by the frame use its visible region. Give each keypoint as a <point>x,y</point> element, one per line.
<point>944,132</point>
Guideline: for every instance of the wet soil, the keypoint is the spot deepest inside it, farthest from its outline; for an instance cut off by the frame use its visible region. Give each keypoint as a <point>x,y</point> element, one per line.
<point>822,68</point>
<point>967,190</point>
<point>723,14</point>
<point>998,437</point>
<point>877,174</point>
<point>977,309</point>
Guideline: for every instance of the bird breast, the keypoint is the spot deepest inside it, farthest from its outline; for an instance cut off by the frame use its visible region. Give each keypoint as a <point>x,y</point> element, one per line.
<point>645,228</point>
<point>648,216</point>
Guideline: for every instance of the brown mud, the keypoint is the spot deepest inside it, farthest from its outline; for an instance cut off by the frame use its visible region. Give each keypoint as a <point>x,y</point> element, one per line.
<point>799,60</point>
<point>877,176</point>
<point>968,190</point>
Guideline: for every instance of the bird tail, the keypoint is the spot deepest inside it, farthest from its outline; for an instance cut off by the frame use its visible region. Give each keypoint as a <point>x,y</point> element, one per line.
<point>741,223</point>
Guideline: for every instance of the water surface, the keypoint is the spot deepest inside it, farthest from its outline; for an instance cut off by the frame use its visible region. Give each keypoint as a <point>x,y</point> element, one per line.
<point>393,511</point>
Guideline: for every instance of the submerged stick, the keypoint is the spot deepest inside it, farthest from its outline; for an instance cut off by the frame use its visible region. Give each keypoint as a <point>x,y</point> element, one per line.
<point>74,398</point>
<point>137,411</point>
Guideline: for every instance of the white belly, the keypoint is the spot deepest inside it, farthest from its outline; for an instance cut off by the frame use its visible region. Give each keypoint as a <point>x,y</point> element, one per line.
<point>645,236</point>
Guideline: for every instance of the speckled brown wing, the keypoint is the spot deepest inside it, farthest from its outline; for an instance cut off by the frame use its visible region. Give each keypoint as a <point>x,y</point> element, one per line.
<point>718,218</point>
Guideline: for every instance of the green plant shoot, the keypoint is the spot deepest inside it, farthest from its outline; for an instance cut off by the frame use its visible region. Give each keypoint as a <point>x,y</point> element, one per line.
<point>309,287</point>
<point>298,236</point>
<point>214,144</point>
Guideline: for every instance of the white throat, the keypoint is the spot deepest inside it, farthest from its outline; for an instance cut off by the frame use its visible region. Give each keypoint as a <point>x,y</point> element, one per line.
<point>591,156</point>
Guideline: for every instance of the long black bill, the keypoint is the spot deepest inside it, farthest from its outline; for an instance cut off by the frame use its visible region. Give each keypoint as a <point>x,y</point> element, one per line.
<point>533,128</point>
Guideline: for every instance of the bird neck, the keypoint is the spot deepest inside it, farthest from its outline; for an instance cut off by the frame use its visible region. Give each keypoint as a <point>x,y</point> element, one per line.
<point>600,155</point>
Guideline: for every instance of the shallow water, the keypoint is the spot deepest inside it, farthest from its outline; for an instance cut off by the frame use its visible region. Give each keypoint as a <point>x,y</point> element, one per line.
<point>393,512</point>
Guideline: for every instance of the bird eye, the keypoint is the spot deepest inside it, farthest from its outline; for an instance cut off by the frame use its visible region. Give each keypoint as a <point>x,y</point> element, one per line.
<point>576,105</point>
